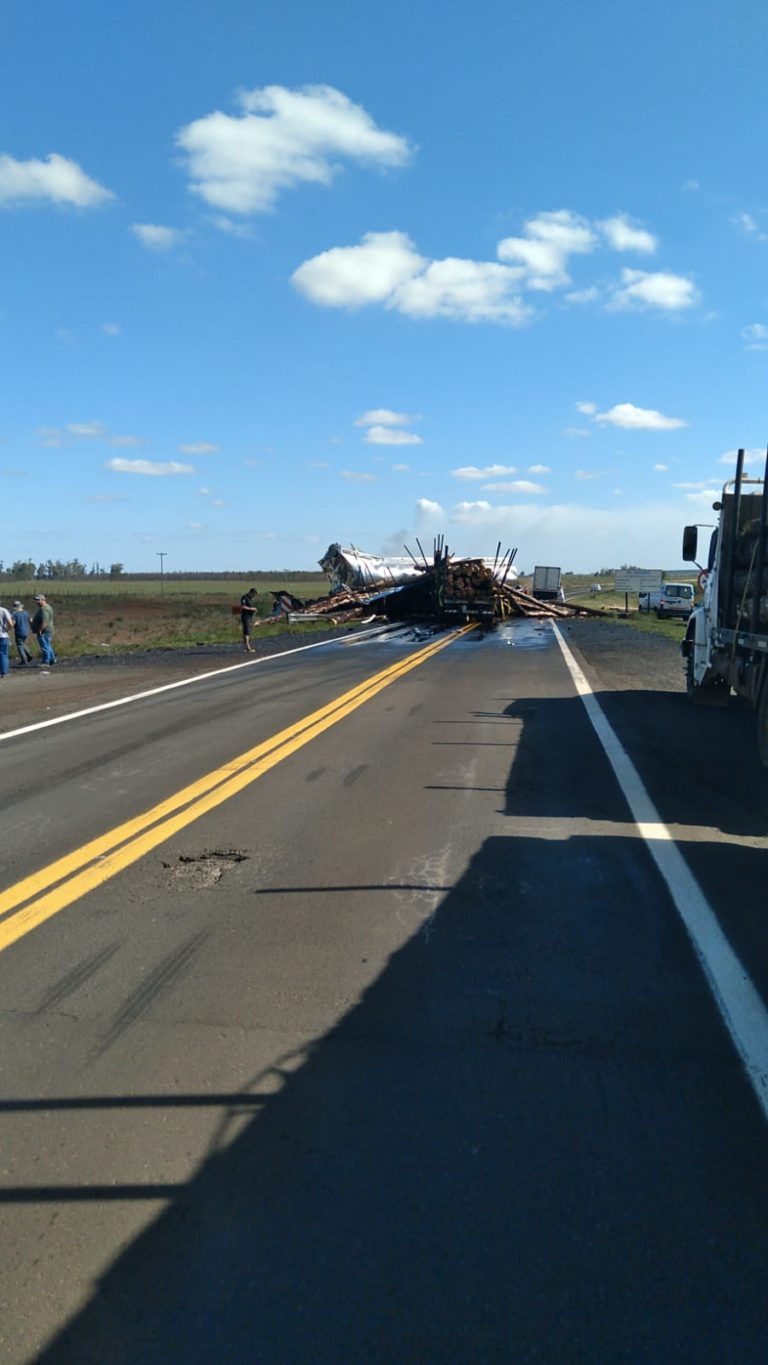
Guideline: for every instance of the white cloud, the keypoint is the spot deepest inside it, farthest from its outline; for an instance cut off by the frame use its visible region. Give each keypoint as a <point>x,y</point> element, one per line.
<point>281,138</point>
<point>584,474</point>
<point>581,536</point>
<point>232,229</point>
<point>550,238</point>
<point>750,227</point>
<point>50,436</point>
<point>199,448</point>
<point>515,486</point>
<point>317,464</point>
<point>583,295</point>
<point>87,430</point>
<point>661,468</point>
<point>654,289</point>
<point>56,179</point>
<point>692,185</point>
<point>576,431</point>
<point>756,336</point>
<point>467,291</point>
<point>350,276</point>
<point>386,268</point>
<point>151,468</point>
<point>155,237</point>
<point>539,469</point>
<point>356,476</point>
<point>387,436</point>
<point>706,497</point>
<point>125,441</point>
<point>428,511</point>
<point>702,483</point>
<point>623,235</point>
<point>638,419</point>
<point>589,409</point>
<point>401,468</point>
<point>751,456</point>
<point>111,329</point>
<point>488,471</point>
<point>385,417</point>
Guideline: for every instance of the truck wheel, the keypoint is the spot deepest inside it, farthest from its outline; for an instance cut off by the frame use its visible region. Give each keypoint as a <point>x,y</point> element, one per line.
<point>762,725</point>
<point>712,693</point>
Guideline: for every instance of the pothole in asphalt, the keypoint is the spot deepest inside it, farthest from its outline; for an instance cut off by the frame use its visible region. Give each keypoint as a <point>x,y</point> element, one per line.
<point>196,871</point>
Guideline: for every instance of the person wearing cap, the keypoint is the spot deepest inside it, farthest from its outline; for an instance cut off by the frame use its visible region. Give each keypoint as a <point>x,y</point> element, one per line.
<point>42,625</point>
<point>21,629</point>
<point>6,622</point>
<point>248,610</point>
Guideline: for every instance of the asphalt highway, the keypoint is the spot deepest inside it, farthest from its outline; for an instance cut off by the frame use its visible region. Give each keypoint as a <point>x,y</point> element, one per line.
<point>355,1008</point>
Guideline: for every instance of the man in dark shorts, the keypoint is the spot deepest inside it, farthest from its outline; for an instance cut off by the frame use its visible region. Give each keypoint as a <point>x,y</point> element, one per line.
<point>248,610</point>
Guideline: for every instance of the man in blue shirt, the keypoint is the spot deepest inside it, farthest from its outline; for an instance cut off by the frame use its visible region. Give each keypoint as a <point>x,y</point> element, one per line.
<point>21,630</point>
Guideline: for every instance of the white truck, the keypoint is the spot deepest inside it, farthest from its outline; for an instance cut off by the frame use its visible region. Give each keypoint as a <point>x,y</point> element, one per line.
<point>726,640</point>
<point>547,583</point>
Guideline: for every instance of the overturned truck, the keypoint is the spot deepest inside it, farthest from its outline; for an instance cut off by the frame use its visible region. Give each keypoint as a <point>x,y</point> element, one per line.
<point>446,589</point>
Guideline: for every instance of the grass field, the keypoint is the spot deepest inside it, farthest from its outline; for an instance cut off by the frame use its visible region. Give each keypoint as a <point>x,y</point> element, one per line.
<point>105,616</point>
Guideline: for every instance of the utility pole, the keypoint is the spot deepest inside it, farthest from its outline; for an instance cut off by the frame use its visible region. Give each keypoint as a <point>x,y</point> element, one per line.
<point>161,556</point>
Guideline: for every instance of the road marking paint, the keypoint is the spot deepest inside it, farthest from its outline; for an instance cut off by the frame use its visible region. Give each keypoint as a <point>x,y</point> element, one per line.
<point>42,894</point>
<point>739,1003</point>
<point>182,682</point>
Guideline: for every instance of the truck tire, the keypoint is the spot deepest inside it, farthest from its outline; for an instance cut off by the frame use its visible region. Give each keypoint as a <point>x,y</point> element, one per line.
<point>762,725</point>
<point>713,693</point>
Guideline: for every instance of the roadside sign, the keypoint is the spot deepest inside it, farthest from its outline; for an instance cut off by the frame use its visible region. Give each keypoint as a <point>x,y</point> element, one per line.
<point>639,580</point>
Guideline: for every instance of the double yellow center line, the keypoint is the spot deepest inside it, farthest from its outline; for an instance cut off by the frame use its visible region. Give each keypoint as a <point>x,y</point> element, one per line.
<point>40,896</point>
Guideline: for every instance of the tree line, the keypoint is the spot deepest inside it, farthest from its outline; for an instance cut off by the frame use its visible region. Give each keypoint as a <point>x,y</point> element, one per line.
<point>58,568</point>
<point>23,570</point>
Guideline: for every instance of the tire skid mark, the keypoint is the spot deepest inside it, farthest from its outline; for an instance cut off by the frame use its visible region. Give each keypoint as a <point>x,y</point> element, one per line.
<point>160,979</point>
<point>73,980</point>
<point>353,775</point>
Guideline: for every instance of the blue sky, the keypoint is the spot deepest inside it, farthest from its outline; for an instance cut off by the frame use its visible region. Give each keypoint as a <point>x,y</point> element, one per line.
<point>286,272</point>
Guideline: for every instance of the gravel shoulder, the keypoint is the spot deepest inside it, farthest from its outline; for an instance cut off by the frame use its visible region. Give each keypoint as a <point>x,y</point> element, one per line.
<point>625,659</point>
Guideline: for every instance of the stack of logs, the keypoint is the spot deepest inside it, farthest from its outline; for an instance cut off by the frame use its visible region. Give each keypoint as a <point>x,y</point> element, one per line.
<point>515,601</point>
<point>464,580</point>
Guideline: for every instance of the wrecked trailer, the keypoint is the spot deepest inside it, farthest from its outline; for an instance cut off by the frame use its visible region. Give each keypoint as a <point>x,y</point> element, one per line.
<point>447,590</point>
<point>359,571</point>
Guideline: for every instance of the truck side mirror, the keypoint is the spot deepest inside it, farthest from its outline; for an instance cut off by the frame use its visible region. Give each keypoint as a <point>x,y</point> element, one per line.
<point>690,543</point>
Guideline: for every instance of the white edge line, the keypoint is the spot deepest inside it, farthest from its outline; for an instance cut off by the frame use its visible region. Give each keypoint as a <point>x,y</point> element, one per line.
<point>739,1003</point>
<point>169,687</point>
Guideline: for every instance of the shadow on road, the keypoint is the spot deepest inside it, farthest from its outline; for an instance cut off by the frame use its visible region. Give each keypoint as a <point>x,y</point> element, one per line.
<point>530,1141</point>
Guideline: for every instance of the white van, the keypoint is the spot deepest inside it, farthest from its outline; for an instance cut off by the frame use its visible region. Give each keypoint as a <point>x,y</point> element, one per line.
<point>672,599</point>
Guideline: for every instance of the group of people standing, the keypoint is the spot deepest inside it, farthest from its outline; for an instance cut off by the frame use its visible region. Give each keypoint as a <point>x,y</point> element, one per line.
<point>22,625</point>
